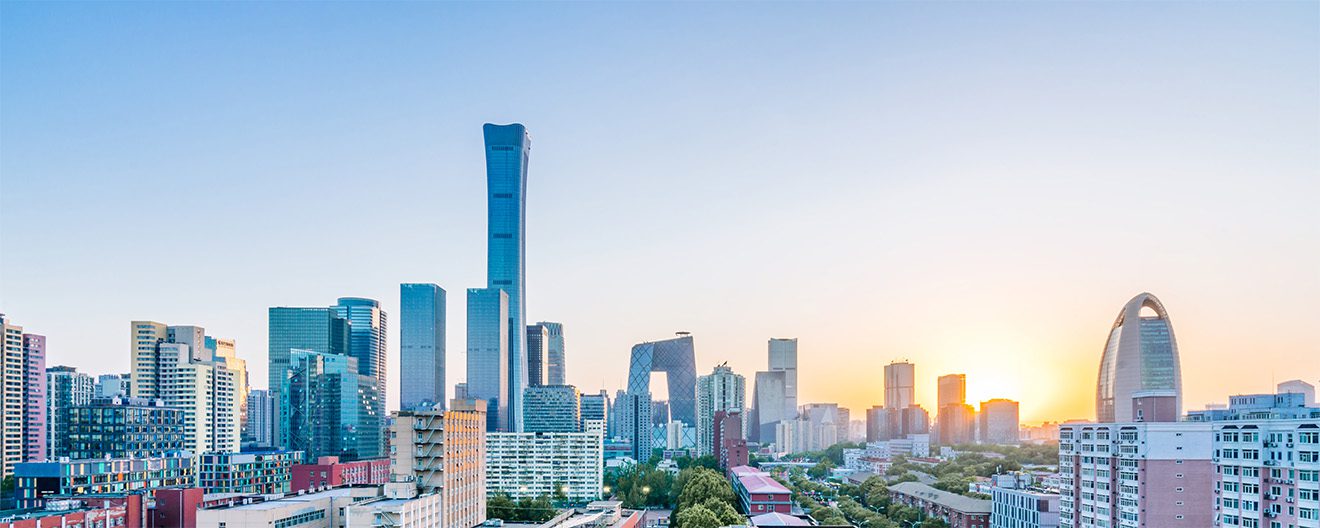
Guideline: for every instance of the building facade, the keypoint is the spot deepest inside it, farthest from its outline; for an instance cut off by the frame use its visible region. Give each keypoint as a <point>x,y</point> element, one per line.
<point>556,369</point>
<point>258,473</point>
<point>507,150</point>
<point>952,390</point>
<point>444,452</point>
<point>23,401</point>
<point>330,407</point>
<point>35,481</point>
<point>195,373</point>
<point>1013,507</point>
<point>329,472</point>
<point>783,357</point>
<point>1140,355</point>
<point>298,328</point>
<point>367,328</point>
<point>123,427</point>
<point>66,388</point>
<point>1267,472</point>
<point>1140,474</point>
<point>900,385</point>
<point>488,355</point>
<point>259,426</point>
<point>535,464</point>
<point>677,359</point>
<point>538,361</point>
<point>421,345</point>
<point>720,391</point>
<point>998,421</point>
<point>956,510</point>
<point>957,424</point>
<point>111,385</point>
<point>768,410</point>
<point>758,493</point>
<point>597,407</point>
<point>552,409</point>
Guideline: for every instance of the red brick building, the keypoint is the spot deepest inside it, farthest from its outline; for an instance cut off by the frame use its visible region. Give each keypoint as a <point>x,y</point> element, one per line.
<point>758,492</point>
<point>957,510</point>
<point>329,472</point>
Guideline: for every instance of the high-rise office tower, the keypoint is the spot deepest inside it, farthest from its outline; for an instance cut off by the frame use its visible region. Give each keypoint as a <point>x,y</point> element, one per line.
<point>66,388</point>
<point>957,424</point>
<point>366,340</point>
<point>488,354</point>
<point>122,427</point>
<point>552,409</point>
<point>783,357</point>
<point>331,408</point>
<point>507,150</point>
<point>538,339</point>
<point>261,413</point>
<point>900,385</point>
<point>998,421</point>
<point>421,345</point>
<point>554,352</point>
<point>299,328</point>
<point>1141,355</point>
<point>677,359</point>
<point>768,409</point>
<point>196,373</point>
<point>952,389</point>
<point>721,390</point>
<point>597,407</point>
<point>23,398</point>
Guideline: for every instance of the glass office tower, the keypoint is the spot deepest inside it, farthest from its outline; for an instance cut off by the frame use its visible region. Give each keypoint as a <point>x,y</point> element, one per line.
<point>330,407</point>
<point>316,329</point>
<point>1141,355</point>
<point>554,352</point>
<point>366,339</point>
<point>488,354</point>
<point>421,345</point>
<point>538,338</point>
<point>507,149</point>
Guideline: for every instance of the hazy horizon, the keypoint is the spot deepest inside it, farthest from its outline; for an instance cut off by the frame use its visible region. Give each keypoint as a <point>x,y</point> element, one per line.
<point>975,187</point>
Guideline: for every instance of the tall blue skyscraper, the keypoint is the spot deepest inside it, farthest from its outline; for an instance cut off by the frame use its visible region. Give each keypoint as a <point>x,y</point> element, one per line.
<point>366,341</point>
<point>316,329</point>
<point>507,149</point>
<point>421,345</point>
<point>488,354</point>
<point>554,352</point>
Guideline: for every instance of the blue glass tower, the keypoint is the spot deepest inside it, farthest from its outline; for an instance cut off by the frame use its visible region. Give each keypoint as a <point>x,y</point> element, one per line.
<point>488,354</point>
<point>507,149</point>
<point>421,345</point>
<point>316,329</point>
<point>366,340</point>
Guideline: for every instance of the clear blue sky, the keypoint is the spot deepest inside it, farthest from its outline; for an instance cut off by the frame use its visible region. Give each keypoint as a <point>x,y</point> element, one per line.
<point>978,187</point>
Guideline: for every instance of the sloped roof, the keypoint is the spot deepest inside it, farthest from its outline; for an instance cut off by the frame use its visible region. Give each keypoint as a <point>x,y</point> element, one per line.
<point>952,501</point>
<point>778,519</point>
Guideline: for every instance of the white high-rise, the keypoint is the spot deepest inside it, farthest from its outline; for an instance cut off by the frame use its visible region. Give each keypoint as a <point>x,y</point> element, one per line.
<point>721,390</point>
<point>900,385</point>
<point>198,374</point>
<point>1141,355</point>
<point>784,357</point>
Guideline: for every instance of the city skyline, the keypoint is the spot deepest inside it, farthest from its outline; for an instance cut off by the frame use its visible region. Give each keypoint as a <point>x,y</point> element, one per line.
<point>1016,291</point>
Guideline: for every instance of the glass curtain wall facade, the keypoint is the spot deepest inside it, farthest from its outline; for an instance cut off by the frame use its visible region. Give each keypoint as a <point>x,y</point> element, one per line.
<point>316,329</point>
<point>537,340</point>
<point>1141,355</point>
<point>507,151</point>
<point>554,352</point>
<point>329,407</point>
<point>366,340</point>
<point>421,345</point>
<point>488,354</point>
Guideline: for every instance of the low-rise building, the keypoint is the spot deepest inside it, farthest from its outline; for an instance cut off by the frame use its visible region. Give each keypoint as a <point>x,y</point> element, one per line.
<point>323,509</point>
<point>957,510</point>
<point>76,513</point>
<point>35,481</point>
<point>329,472</point>
<point>400,507</point>
<point>758,492</point>
<point>534,464</point>
<point>1014,506</point>
<point>252,473</point>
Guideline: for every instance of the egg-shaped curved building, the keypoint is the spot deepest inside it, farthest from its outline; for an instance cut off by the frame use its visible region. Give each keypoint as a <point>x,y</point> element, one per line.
<point>1140,356</point>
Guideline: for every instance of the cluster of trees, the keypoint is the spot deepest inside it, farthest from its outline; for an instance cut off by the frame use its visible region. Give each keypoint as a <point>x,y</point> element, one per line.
<point>643,486</point>
<point>537,510</point>
<point>866,505</point>
<point>1025,455</point>
<point>705,500</point>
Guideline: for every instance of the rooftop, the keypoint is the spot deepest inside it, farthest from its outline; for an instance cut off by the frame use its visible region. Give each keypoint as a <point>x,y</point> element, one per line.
<point>952,501</point>
<point>761,483</point>
<point>777,519</point>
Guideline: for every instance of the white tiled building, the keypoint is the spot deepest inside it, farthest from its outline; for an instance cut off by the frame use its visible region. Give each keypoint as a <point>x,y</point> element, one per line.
<point>533,464</point>
<point>1267,473</point>
<point>1132,475</point>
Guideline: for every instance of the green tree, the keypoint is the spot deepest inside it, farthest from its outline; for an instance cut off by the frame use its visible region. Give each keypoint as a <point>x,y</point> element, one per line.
<point>500,506</point>
<point>697,516</point>
<point>703,484</point>
<point>821,469</point>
